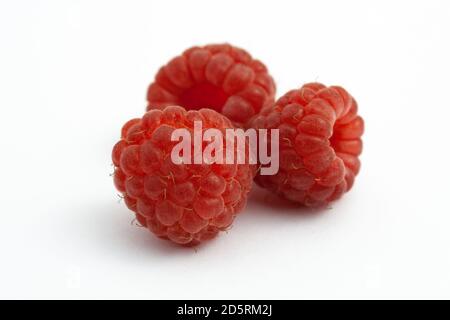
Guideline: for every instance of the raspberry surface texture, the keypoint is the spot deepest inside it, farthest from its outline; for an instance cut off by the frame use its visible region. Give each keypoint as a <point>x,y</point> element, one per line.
<point>220,77</point>
<point>184,203</point>
<point>320,143</point>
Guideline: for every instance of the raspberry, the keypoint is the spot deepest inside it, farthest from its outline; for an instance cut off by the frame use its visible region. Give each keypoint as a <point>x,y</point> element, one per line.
<point>185,203</point>
<point>220,77</point>
<point>320,142</point>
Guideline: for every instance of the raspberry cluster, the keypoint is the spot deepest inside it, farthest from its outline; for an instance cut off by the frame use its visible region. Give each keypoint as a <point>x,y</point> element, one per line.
<point>223,87</point>
<point>320,142</point>
<point>186,203</point>
<point>220,77</point>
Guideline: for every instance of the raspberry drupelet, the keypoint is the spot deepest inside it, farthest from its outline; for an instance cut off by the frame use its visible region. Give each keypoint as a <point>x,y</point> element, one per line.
<point>185,203</point>
<point>221,77</point>
<point>320,143</point>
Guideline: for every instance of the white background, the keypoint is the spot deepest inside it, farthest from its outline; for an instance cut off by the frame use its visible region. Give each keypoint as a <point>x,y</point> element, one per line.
<point>72,72</point>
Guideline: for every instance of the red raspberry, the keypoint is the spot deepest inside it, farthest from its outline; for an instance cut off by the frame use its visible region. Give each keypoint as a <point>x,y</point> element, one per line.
<point>320,141</point>
<point>185,203</point>
<point>220,77</point>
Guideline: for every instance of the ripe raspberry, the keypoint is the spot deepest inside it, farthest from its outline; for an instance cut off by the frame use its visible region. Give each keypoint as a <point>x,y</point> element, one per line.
<point>220,77</point>
<point>320,141</point>
<point>185,203</point>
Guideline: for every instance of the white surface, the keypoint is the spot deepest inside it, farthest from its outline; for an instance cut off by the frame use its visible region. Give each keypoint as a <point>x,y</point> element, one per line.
<point>72,72</point>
